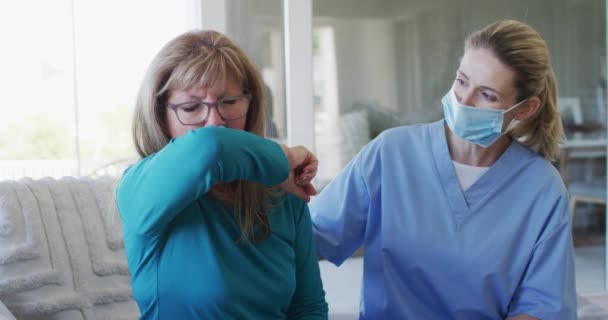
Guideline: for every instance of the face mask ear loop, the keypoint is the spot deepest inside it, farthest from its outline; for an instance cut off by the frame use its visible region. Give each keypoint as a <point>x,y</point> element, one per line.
<point>515,106</point>
<point>514,121</point>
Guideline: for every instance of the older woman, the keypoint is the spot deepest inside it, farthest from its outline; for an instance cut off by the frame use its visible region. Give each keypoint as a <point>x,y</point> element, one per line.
<point>208,233</point>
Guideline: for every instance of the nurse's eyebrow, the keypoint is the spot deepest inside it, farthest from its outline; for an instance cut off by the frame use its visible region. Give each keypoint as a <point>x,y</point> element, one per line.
<point>484,87</point>
<point>464,75</point>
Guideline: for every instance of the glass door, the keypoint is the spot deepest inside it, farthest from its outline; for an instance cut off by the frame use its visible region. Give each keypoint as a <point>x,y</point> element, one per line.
<point>260,28</point>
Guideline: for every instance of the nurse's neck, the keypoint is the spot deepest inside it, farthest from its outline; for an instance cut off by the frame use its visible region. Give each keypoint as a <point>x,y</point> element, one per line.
<point>471,154</point>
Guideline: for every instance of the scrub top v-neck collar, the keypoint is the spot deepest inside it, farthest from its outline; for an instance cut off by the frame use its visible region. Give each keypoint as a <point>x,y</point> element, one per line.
<point>462,203</point>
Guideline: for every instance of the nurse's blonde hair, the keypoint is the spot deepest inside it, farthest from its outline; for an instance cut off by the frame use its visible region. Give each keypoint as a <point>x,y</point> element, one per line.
<point>520,47</point>
<point>204,59</point>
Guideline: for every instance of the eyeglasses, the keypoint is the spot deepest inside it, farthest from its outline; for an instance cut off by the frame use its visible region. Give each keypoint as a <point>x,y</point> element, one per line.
<point>196,112</point>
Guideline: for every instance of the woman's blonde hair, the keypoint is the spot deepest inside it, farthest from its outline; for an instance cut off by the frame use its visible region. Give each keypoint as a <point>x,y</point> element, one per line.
<point>518,46</point>
<point>204,59</point>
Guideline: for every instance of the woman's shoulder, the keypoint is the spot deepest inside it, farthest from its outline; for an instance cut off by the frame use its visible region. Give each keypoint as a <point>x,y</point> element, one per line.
<point>286,202</point>
<point>286,212</point>
<point>402,140</point>
<point>534,160</point>
<point>414,132</point>
<point>536,170</point>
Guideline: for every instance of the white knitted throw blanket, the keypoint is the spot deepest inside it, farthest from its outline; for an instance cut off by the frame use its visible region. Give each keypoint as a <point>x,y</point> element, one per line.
<point>61,250</point>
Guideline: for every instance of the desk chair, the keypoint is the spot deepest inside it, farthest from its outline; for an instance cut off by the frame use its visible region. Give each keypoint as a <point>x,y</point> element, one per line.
<point>592,189</point>
<point>586,192</point>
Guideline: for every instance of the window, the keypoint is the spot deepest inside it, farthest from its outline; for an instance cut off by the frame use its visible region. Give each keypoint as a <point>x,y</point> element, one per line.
<point>70,79</point>
<point>258,29</point>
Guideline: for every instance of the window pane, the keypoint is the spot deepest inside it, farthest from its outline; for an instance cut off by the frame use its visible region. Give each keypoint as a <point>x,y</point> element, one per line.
<point>111,60</point>
<point>257,27</point>
<point>37,89</point>
<point>71,70</point>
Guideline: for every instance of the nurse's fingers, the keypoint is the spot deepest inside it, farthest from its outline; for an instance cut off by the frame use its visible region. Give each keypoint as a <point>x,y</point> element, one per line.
<point>302,192</point>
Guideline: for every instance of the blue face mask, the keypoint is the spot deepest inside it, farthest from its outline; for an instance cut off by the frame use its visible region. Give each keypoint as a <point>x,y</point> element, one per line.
<point>476,125</point>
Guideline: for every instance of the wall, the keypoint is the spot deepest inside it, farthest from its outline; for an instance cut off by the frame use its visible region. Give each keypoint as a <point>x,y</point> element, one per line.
<point>365,61</point>
<point>574,31</point>
<point>411,71</point>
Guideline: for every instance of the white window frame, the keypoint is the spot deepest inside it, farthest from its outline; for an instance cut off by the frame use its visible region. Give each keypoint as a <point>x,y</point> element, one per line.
<point>297,17</point>
<point>606,207</point>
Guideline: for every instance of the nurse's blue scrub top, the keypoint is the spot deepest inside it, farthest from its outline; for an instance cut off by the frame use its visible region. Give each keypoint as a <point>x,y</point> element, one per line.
<point>432,251</point>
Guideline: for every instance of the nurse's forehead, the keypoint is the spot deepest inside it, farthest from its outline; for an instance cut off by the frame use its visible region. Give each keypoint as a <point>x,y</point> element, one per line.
<point>483,68</point>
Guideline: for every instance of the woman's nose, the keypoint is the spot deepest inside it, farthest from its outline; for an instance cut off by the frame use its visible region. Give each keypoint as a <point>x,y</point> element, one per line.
<point>214,118</point>
<point>467,98</point>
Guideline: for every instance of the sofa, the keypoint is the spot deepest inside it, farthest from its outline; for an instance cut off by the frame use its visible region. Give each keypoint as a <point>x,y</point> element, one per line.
<point>62,251</point>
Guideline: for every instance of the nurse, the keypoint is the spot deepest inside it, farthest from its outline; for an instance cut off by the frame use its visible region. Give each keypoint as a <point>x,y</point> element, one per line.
<point>464,218</point>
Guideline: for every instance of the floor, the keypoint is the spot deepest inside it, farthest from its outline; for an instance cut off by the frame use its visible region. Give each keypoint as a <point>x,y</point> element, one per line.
<point>589,265</point>
<point>342,285</point>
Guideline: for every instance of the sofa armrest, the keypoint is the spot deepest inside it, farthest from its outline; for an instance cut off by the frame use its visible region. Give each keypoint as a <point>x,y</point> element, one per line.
<point>62,251</point>
<point>4,313</point>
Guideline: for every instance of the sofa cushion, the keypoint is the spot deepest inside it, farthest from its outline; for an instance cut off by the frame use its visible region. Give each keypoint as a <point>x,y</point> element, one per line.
<point>61,250</point>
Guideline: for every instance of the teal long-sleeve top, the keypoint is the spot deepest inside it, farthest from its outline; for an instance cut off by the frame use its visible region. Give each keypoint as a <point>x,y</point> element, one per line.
<point>183,246</point>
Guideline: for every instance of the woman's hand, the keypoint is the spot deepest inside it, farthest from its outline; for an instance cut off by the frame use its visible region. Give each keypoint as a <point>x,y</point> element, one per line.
<point>302,169</point>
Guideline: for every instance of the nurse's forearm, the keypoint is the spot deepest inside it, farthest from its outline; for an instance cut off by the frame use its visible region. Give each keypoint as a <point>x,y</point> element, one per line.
<point>522,317</point>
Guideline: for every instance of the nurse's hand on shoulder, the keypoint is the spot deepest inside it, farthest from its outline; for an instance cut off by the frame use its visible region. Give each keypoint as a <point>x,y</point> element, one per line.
<point>303,168</point>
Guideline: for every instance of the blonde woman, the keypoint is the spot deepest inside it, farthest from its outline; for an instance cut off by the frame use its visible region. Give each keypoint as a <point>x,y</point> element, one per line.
<point>208,232</point>
<point>464,218</point>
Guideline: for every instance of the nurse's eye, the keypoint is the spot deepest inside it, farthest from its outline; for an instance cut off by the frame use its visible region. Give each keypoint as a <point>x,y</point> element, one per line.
<point>461,82</point>
<point>489,96</point>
